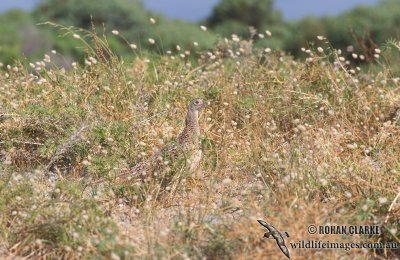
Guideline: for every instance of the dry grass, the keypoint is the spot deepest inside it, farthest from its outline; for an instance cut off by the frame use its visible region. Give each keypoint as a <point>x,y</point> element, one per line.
<point>293,143</point>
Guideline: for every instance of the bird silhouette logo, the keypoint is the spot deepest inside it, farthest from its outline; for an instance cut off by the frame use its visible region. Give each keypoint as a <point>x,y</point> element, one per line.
<point>277,235</point>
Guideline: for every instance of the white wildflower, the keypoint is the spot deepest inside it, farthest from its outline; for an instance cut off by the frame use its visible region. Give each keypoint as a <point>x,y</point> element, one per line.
<point>227,181</point>
<point>151,41</point>
<point>382,200</point>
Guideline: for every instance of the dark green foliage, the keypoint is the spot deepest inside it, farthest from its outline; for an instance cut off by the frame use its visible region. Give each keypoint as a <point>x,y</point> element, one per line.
<point>234,17</point>
<point>118,14</point>
<point>363,27</point>
<point>15,27</point>
<point>127,16</point>
<point>255,13</point>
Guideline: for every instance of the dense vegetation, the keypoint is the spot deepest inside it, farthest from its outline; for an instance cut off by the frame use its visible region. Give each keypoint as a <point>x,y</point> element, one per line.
<point>293,141</point>
<point>362,28</point>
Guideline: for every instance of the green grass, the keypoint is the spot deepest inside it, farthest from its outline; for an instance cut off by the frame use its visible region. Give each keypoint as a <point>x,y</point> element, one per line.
<point>294,143</point>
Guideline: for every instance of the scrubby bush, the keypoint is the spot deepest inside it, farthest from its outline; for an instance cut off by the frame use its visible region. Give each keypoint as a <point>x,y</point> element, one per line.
<point>315,140</point>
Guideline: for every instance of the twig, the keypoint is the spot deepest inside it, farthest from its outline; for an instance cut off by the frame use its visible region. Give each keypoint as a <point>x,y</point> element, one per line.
<point>22,142</point>
<point>9,115</point>
<point>391,208</point>
<point>68,144</point>
<point>148,118</point>
<point>387,218</point>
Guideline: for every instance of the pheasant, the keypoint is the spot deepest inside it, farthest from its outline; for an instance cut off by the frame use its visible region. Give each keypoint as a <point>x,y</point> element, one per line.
<point>187,144</point>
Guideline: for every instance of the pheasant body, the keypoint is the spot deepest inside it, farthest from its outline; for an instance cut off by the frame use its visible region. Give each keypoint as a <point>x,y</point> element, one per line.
<point>187,144</point>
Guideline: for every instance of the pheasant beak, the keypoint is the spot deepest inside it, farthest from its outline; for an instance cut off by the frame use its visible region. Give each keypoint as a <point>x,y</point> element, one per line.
<point>205,104</point>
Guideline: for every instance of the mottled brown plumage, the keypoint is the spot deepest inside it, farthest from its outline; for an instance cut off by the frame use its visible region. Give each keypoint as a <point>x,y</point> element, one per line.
<point>187,144</point>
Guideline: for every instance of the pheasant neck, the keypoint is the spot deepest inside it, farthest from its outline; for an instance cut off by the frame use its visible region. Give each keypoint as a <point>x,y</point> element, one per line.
<point>192,121</point>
